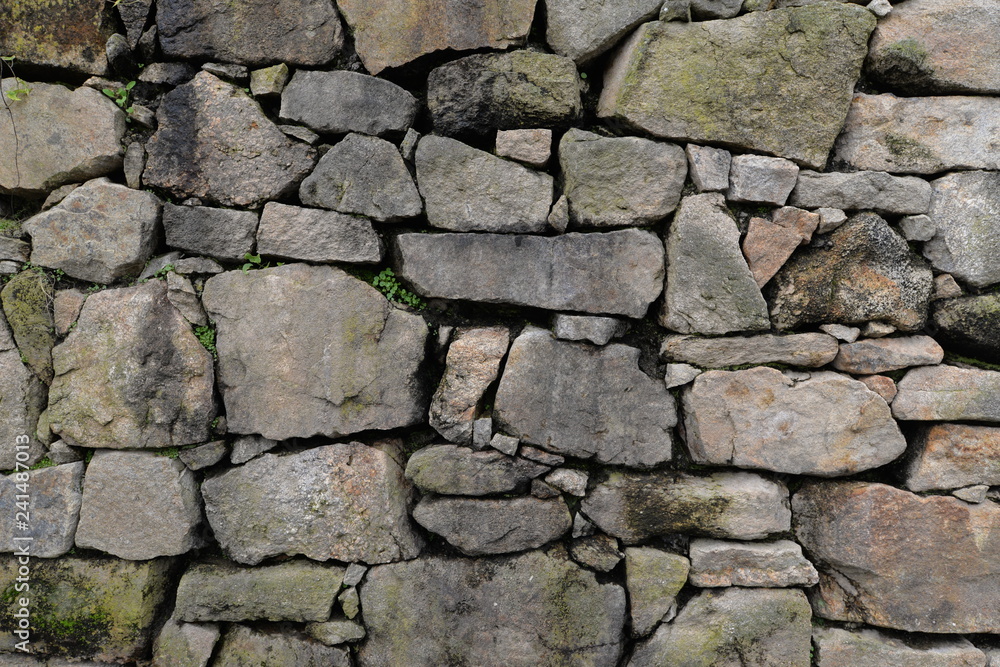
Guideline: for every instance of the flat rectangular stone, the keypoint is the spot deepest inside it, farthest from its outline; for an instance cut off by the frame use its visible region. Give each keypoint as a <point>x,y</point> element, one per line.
<point>950,456</point>
<point>948,393</point>
<point>810,350</point>
<point>875,190</point>
<point>315,235</point>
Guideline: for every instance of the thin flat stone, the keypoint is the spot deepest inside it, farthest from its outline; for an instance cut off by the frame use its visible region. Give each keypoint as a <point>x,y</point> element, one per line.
<point>867,357</point>
<point>809,350</point>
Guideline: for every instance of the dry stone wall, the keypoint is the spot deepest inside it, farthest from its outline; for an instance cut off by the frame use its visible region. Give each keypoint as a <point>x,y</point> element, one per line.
<point>516,332</point>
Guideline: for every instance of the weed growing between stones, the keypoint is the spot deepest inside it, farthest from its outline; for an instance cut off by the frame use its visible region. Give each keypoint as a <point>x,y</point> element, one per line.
<point>206,336</point>
<point>121,96</point>
<point>387,283</point>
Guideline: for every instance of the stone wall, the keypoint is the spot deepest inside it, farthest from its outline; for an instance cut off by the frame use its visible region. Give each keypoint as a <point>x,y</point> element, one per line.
<point>412,332</point>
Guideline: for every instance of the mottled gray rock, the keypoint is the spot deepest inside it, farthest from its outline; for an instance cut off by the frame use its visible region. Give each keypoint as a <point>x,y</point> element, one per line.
<point>962,245</point>
<point>677,375</point>
<point>182,294</point>
<point>347,502</point>
<point>354,574</point>
<point>350,602</point>
<point>597,552</point>
<point>583,401</point>
<point>250,447</point>
<point>947,393</point>
<point>218,232</point>
<point>716,563</point>
<point>53,505</point>
<point>701,81</point>
<point>172,74</point>
<point>878,329</point>
<point>338,378</point>
<point>59,453</point>
<point>315,235</point>
<point>466,189</point>
<point>503,91</point>
<point>27,305</point>
<point>336,631</point>
<point>732,628</point>
<point>505,443</point>
<point>709,167</point>
<point>203,456</point>
<point>867,357</point>
<point>759,179</point>
<point>451,470</point>
<point>184,644</point>
<point>340,101</point>
<point>569,480</point>
<point>533,147</point>
<point>597,330</point>
<point>709,286</point>
<point>24,400</point>
<point>197,266</point>
<point>972,494</point>
<point>949,456</point>
<point>229,71</point>
<point>584,30</point>
<point>14,249</point>
<point>874,190</point>
<point>242,646</point>
<point>619,181</point>
<point>479,527</point>
<point>920,135</point>
<point>917,228</point>
<point>410,612</point>
<point>482,433</point>
<point>867,647</point>
<point>260,32</point>
<point>269,81</point>
<point>133,164</point>
<point>841,332</point>
<point>618,273</point>
<point>810,350</point>
<point>738,505</point>
<point>970,325</point>
<point>559,215</point>
<point>131,374</point>
<point>215,143</point>
<point>139,505</point>
<point>366,176</point>
<point>830,219</point>
<point>654,578</point>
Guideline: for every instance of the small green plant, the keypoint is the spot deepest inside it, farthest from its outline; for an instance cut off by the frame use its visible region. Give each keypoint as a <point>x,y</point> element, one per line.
<point>206,336</point>
<point>21,91</point>
<point>161,274</point>
<point>44,463</point>
<point>252,262</point>
<point>387,283</point>
<point>121,96</point>
<point>169,452</point>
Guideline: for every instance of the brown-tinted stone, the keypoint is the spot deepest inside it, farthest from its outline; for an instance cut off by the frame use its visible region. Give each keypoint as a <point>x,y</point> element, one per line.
<point>810,350</point>
<point>68,34</point>
<point>881,385</point>
<point>717,563</point>
<point>837,647</point>
<point>866,357</point>
<point>769,243</point>
<point>949,456</point>
<point>947,393</point>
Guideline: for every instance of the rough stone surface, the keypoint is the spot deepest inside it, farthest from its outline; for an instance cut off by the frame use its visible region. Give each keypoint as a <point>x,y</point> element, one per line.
<point>825,425</point>
<point>260,32</point>
<point>23,400</point>
<point>314,235</point>
<point>759,179</point>
<point>54,510</point>
<point>203,456</point>
<point>701,82</point>
<point>597,552</point>
<point>66,35</point>
<point>410,612</point>
<point>917,228</point>
<point>836,647</point>
<point>242,646</point>
<point>709,167</point>
<point>881,385</point>
<point>864,272</point>
<point>479,527</point>
<point>715,563</point>
<point>584,30</point>
<point>709,288</point>
<point>970,325</point>
<point>873,190</point>
<point>338,631</point>
<point>962,244</point>
<point>830,219</point>
<point>269,81</point>
<point>14,250</point>
<point>654,578</point>
<point>597,330</point>
<point>505,91</point>
<point>365,176</point>
<point>810,350</point>
<point>27,305</point>
<point>769,243</point>
<point>949,456</point>
<point>532,147</point>
<point>867,357</point>
<point>451,470</point>
<point>215,143</point>
<point>466,189</point>
<point>569,480</point>
<point>248,447</point>
<point>920,135</point>
<point>677,375</point>
<point>185,644</point>
<point>181,293</point>
<point>586,402</point>
<point>943,581</point>
<point>618,273</point>
<point>738,505</point>
<point>346,502</point>
<point>947,393</point>
<point>131,374</point>
<point>390,33</point>
<point>731,628</point>
<point>340,379</point>
<point>218,232</point>
<point>62,137</point>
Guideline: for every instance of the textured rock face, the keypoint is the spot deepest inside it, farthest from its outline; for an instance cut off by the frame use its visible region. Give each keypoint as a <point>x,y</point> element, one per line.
<point>615,272</point>
<point>101,232</point>
<point>866,272</point>
<point>341,378</point>
<point>409,610</point>
<point>242,646</point>
<point>654,578</point>
<point>732,628</point>
<point>218,232</point>
<point>962,245</point>
<point>390,33</point>
<point>943,581</point>
<point>836,647</point>
<point>131,374</point>
<point>27,306</point>
<point>920,135</point>
<point>948,393</point>
<point>809,350</point>
<point>950,456</point>
<point>585,402</point>
<point>258,32</point>
<point>23,400</point>
<point>585,30</point>
<point>215,143</point>
<point>313,235</point>
<point>597,330</point>
<point>451,470</point>
<point>970,324</point>
<point>867,357</point>
<point>503,91</point>
<point>875,190</point>
<point>766,180</point>
<point>702,82</point>
<point>715,563</point>
<point>55,508</point>
<point>61,137</point>
<point>346,502</point>
<point>185,644</point>
<point>826,425</point>
<point>68,35</point>
<point>637,506</point>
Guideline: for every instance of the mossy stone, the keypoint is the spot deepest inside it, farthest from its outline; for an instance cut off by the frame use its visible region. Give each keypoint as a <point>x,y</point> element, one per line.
<point>27,304</point>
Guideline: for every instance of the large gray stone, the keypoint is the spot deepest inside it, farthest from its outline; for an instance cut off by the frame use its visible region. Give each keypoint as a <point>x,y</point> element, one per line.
<point>709,288</point>
<point>352,367</point>
<point>825,425</point>
<point>947,393</point>
<point>54,496</point>
<point>962,244</point>
<point>131,374</point>
<point>242,646</point>
<point>881,355</point>
<point>410,612</point>
<point>874,190</point>
<point>346,502</point>
<point>466,189</point>
<point>254,32</point>
<point>637,506</point>
<point>101,232</point>
<point>810,350</point>
<point>867,647</point>
<point>452,470</point>
<point>703,81</point>
<point>338,102</point>
<point>314,235</point>
<point>718,563</point>
<point>584,401</point>
<point>23,400</point>
<point>616,182</point>
<point>365,176</point>
<point>217,232</point>
<point>618,273</point>
<point>654,578</point>
<point>584,30</point>
<point>920,135</point>
<point>215,143</point>
<point>62,136</point>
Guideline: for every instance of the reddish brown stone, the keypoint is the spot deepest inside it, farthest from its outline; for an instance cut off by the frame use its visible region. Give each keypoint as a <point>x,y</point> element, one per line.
<point>769,244</point>
<point>881,385</point>
<point>58,33</point>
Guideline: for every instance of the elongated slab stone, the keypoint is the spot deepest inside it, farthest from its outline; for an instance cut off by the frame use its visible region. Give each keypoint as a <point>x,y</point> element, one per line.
<point>702,81</point>
<point>880,355</point>
<point>242,645</point>
<point>947,393</point>
<point>875,190</point>
<point>925,565</point>
<point>452,470</point>
<point>810,350</point>
<point>867,647</point>
<point>950,456</point>
<point>718,563</point>
<point>618,273</point>
<point>962,245</point>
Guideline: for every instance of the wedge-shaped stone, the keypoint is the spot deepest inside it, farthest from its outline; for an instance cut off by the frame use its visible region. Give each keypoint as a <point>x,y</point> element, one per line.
<point>920,135</point>
<point>410,612</point>
<point>962,244</point>
<point>738,505</point>
<point>703,81</point>
<point>836,647</point>
<point>925,565</point>
<point>584,401</point>
<point>718,563</point>
<point>390,33</point>
<point>315,235</point>
<point>947,393</point>
<point>810,350</point>
<point>872,190</point>
<point>352,366</point>
<point>54,508</point>
<point>951,456</point>
<point>242,645</point>
<point>584,30</point>
<point>654,578</point>
<point>452,470</point>
<point>618,273</point>
<point>769,243</point>
<point>346,502</point>
<point>970,325</point>
<point>825,425</point>
<point>67,35</point>
<point>880,355</point>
